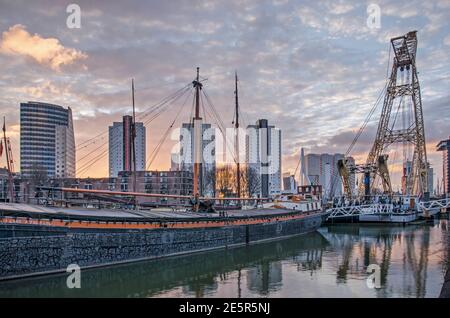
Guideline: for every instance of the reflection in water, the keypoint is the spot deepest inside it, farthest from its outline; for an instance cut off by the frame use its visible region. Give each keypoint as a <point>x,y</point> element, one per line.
<point>331,263</point>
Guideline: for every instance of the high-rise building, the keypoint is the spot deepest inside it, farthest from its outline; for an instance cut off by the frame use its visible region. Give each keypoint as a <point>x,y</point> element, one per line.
<point>430,176</point>
<point>321,169</point>
<point>289,183</point>
<point>444,146</point>
<point>47,141</point>
<point>186,156</point>
<point>120,146</point>
<point>303,180</point>
<point>175,161</point>
<point>263,156</point>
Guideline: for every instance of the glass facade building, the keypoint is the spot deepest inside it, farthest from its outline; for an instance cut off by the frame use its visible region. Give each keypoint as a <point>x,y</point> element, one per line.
<point>47,142</point>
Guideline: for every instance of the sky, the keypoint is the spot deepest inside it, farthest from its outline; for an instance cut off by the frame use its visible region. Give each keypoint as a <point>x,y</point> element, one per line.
<point>312,68</point>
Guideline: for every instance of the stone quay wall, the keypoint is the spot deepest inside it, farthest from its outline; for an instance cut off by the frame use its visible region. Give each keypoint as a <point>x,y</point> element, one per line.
<point>33,255</point>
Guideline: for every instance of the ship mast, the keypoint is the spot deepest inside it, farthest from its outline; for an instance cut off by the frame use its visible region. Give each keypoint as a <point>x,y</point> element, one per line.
<point>9,161</point>
<point>236,144</point>
<point>133,138</point>
<point>197,129</point>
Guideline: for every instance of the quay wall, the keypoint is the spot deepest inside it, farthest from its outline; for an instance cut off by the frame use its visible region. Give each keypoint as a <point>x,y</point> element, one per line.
<point>44,254</point>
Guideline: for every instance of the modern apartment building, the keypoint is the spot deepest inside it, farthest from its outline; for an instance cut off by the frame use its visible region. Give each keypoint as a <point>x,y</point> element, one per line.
<point>263,150</point>
<point>120,146</point>
<point>186,156</point>
<point>47,141</point>
<point>444,146</point>
<point>321,169</point>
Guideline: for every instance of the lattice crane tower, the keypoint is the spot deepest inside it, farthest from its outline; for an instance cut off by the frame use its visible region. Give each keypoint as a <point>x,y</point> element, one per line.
<point>403,89</point>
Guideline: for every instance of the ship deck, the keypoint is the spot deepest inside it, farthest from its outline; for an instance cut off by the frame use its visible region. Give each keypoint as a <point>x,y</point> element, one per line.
<point>37,211</point>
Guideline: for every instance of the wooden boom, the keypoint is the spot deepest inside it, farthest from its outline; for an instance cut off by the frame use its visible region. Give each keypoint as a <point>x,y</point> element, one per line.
<point>153,195</point>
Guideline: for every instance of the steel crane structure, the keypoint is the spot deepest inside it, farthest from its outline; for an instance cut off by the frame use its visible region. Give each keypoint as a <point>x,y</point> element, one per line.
<point>380,168</point>
<point>403,87</point>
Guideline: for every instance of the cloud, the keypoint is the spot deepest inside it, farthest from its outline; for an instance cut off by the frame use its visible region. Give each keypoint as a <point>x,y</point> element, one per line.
<point>313,68</point>
<point>46,51</point>
<point>447,40</point>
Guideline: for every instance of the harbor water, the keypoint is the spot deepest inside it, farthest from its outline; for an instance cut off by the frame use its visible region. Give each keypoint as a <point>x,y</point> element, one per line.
<point>331,262</point>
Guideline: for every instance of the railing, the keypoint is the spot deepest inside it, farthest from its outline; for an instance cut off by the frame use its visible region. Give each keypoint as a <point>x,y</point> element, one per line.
<point>428,208</point>
<point>355,210</point>
<point>424,208</point>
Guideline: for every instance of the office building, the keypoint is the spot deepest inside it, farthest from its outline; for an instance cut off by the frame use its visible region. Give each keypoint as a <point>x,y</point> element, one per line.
<point>430,176</point>
<point>174,161</point>
<point>321,169</point>
<point>289,183</point>
<point>444,146</point>
<point>47,141</point>
<point>186,156</point>
<point>120,146</point>
<point>263,150</point>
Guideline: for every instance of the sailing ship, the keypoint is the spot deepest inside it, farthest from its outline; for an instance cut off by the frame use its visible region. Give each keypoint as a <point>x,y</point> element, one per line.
<point>36,239</point>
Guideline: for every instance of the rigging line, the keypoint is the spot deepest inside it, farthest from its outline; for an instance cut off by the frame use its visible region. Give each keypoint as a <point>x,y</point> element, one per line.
<point>242,97</point>
<point>214,118</point>
<point>191,116</point>
<point>366,121</point>
<point>94,161</point>
<point>168,106</point>
<point>226,144</point>
<point>102,154</point>
<point>375,105</point>
<point>298,165</point>
<point>91,143</point>
<point>144,113</point>
<point>162,102</point>
<point>213,108</point>
<point>203,107</point>
<point>160,110</point>
<point>158,147</point>
<point>90,139</point>
<point>86,164</point>
<point>168,101</point>
<point>222,127</point>
<point>396,113</point>
<point>97,149</point>
<point>89,153</point>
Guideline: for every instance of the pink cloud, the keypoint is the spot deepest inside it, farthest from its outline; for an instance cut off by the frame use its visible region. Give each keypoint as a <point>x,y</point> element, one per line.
<point>46,51</point>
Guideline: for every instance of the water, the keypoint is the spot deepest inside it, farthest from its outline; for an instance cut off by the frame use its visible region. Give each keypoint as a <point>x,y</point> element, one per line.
<point>329,263</point>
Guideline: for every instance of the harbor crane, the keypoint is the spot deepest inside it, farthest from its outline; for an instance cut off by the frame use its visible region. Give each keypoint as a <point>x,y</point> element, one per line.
<point>346,169</point>
<point>403,90</point>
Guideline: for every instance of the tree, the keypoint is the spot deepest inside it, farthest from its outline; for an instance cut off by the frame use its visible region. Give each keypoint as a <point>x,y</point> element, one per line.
<point>252,181</point>
<point>225,181</point>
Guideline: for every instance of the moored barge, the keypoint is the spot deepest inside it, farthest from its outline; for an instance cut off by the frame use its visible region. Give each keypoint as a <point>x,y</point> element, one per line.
<point>41,240</point>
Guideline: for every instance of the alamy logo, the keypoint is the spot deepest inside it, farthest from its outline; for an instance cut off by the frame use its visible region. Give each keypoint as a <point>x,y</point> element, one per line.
<point>374,16</point>
<point>74,279</point>
<point>73,21</point>
<point>374,279</point>
<point>218,147</point>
